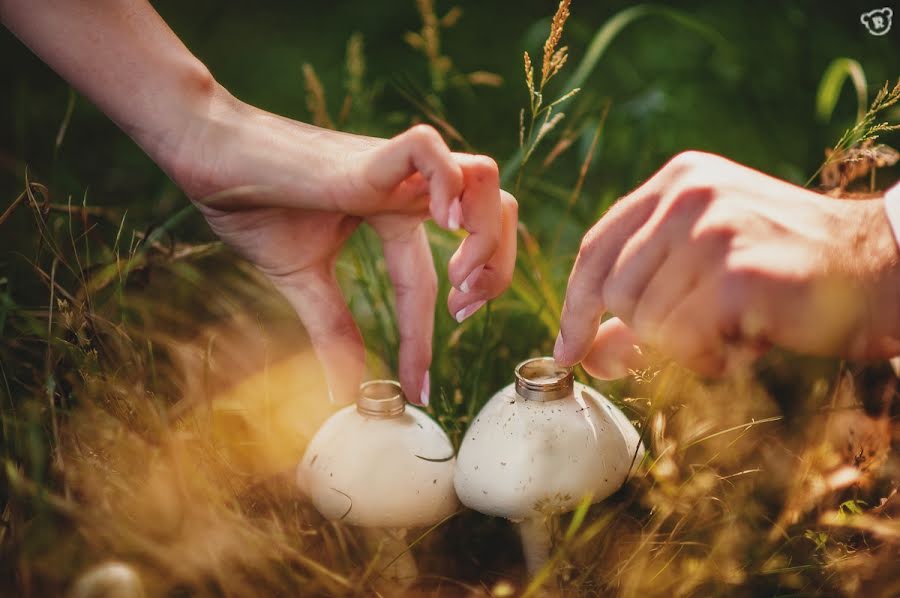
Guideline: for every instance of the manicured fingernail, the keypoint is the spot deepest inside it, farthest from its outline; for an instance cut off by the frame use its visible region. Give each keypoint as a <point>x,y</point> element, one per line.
<point>468,310</point>
<point>454,214</point>
<point>469,282</point>
<point>426,389</point>
<point>559,346</point>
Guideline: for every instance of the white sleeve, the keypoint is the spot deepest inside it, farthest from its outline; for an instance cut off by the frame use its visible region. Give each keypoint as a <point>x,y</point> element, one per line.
<point>892,207</point>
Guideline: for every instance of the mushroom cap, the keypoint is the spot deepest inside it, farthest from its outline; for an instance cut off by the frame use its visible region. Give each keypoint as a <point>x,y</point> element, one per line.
<point>108,579</point>
<point>521,458</point>
<point>380,471</point>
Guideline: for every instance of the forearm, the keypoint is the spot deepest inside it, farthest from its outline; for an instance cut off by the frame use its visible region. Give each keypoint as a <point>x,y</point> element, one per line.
<point>124,58</point>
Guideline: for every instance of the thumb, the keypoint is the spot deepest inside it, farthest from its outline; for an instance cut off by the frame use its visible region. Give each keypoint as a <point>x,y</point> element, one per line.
<point>614,351</point>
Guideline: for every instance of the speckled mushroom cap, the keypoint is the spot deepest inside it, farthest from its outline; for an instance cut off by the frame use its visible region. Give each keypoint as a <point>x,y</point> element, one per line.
<point>380,463</point>
<point>529,452</point>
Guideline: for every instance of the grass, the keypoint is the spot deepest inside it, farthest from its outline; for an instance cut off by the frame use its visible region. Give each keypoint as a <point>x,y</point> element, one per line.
<point>154,402</point>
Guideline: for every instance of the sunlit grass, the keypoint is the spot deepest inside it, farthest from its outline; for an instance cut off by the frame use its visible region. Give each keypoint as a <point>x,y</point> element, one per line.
<point>158,394</point>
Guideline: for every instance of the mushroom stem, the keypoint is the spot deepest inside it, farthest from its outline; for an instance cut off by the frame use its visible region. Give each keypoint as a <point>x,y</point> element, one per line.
<point>535,542</point>
<point>390,545</point>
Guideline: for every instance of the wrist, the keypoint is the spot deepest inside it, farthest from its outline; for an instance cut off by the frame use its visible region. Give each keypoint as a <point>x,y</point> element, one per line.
<point>199,104</point>
<point>229,154</point>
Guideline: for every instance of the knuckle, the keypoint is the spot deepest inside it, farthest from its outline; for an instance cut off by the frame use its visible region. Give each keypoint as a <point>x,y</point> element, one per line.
<point>588,243</point>
<point>425,134</point>
<point>504,278</point>
<point>485,167</point>
<point>690,199</point>
<point>687,160</point>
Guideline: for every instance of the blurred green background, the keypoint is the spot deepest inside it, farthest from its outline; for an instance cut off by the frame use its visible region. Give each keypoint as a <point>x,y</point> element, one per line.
<point>671,89</point>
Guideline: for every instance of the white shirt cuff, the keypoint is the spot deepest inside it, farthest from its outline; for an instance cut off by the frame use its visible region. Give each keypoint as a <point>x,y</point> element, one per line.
<point>892,207</point>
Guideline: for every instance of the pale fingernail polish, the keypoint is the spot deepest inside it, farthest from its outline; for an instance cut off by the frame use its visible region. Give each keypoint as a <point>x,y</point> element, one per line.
<point>454,214</point>
<point>469,282</point>
<point>558,346</point>
<point>426,389</point>
<point>467,311</point>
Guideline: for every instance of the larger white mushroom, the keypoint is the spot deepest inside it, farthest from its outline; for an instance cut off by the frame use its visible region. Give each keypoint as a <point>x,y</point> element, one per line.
<point>538,447</point>
<point>383,466</point>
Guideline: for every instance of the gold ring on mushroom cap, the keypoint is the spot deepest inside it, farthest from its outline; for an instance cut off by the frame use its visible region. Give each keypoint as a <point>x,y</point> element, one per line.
<point>542,379</point>
<point>380,398</point>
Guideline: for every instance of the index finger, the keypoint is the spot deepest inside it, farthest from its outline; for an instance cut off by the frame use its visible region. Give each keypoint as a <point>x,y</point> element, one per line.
<point>583,306</point>
<point>420,149</point>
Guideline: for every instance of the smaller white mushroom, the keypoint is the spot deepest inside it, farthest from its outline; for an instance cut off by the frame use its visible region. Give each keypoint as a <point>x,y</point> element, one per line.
<point>538,447</point>
<point>383,466</point>
<point>108,580</point>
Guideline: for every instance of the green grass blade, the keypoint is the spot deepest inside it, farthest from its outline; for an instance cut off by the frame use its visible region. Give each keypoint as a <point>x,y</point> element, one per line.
<point>839,71</point>
<point>601,42</point>
<point>611,29</point>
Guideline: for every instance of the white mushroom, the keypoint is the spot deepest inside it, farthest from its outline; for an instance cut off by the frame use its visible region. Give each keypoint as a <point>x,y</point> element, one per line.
<point>383,466</point>
<point>538,447</point>
<point>108,580</point>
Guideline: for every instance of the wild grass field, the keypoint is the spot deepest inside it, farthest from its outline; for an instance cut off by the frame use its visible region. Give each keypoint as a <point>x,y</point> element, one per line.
<point>156,393</point>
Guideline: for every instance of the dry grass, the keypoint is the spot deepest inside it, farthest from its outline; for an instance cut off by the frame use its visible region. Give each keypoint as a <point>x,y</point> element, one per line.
<point>157,397</point>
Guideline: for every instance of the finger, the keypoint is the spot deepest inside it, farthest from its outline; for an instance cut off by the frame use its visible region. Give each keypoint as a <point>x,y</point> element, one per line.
<point>614,352</point>
<point>690,333</point>
<point>419,149</point>
<point>669,227</point>
<point>681,271</point>
<point>317,299</point>
<point>600,248</point>
<point>480,216</point>
<point>496,275</point>
<point>583,306</point>
<point>411,268</point>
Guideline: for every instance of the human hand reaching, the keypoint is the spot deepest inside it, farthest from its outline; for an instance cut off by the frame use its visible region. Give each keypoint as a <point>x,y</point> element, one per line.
<point>711,262</point>
<point>286,196</point>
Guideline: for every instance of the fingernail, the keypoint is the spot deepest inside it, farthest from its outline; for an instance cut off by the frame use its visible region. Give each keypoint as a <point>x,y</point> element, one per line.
<point>426,389</point>
<point>330,396</point>
<point>467,311</point>
<point>469,282</point>
<point>454,214</point>
<point>559,346</point>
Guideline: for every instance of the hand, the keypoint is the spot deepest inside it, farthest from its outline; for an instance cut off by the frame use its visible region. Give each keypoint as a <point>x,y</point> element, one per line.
<point>286,196</point>
<point>711,262</point>
<point>283,194</point>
